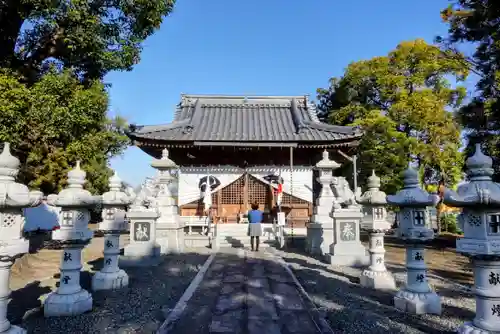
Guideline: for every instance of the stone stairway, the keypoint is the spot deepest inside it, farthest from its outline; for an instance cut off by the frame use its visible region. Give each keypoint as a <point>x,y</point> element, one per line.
<point>235,235</point>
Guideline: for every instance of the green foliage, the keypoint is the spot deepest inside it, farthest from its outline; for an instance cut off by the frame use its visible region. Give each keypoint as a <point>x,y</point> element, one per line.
<point>478,23</point>
<point>89,37</point>
<point>401,101</point>
<point>449,223</point>
<point>56,122</point>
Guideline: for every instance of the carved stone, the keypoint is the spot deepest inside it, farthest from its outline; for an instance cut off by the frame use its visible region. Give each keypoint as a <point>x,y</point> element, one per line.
<point>480,222</point>
<point>73,235</point>
<point>417,296</point>
<point>13,198</point>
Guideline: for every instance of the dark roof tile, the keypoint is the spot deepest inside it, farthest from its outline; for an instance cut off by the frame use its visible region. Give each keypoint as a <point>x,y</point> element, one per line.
<point>239,118</point>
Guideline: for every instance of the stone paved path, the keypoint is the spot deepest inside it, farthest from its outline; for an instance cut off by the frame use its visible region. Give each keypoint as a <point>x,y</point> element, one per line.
<point>246,292</point>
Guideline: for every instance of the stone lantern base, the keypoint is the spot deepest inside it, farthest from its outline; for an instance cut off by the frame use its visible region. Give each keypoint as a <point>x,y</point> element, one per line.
<point>108,281</point>
<point>378,280</point>
<point>418,302</point>
<point>67,305</point>
<point>15,330</point>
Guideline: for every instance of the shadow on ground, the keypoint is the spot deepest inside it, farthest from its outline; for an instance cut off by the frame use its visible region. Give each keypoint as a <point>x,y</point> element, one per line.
<point>346,303</point>
<point>137,308</point>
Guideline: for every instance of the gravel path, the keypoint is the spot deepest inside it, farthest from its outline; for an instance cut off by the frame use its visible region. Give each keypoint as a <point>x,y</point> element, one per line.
<point>350,308</point>
<point>139,308</point>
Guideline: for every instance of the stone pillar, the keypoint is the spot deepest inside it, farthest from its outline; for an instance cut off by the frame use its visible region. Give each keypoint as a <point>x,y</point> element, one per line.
<point>170,230</point>
<point>142,249</point>
<point>347,249</point>
<point>320,233</point>
<point>74,235</point>
<point>480,222</point>
<point>375,223</point>
<point>417,296</point>
<point>113,225</point>
<point>15,197</point>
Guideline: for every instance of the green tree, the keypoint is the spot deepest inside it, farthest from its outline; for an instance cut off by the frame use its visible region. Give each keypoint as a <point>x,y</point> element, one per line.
<point>56,122</point>
<point>402,102</point>
<point>89,37</point>
<point>477,23</point>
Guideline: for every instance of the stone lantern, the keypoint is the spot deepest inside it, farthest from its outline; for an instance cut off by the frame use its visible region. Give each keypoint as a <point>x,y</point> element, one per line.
<point>73,234</point>
<point>320,234</point>
<point>375,223</point>
<point>417,296</point>
<point>114,204</point>
<point>480,222</point>
<point>15,197</point>
<point>170,231</point>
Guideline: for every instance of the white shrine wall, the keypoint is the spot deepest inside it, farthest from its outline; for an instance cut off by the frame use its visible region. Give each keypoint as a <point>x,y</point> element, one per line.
<point>298,183</point>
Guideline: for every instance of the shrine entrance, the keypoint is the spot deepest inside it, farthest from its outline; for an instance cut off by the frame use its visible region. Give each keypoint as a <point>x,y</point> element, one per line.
<point>232,201</point>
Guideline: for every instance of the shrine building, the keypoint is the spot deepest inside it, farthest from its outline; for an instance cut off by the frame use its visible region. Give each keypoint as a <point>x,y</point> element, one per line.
<point>239,148</point>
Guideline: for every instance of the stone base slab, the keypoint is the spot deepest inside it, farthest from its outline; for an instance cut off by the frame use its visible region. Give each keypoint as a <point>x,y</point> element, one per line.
<point>350,260</point>
<point>469,328</point>
<point>418,303</point>
<point>378,280</point>
<point>57,305</point>
<point>15,330</point>
<point>109,281</point>
<point>140,261</point>
<point>142,250</point>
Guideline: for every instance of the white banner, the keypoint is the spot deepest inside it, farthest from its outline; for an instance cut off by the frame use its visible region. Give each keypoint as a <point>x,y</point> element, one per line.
<point>297,183</point>
<point>193,182</point>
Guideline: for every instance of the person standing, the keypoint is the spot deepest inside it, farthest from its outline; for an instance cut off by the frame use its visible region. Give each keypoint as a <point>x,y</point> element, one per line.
<point>255,217</point>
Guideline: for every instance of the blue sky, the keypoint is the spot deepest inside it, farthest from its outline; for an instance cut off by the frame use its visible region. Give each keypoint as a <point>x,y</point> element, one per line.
<point>268,47</point>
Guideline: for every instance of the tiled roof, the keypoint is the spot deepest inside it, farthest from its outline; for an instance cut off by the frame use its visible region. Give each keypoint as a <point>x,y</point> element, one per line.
<point>249,119</point>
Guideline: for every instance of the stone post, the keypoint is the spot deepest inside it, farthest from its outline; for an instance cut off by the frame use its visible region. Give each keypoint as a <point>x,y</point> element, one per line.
<point>15,197</point>
<point>73,235</point>
<point>320,230</point>
<point>142,249</point>
<point>170,230</point>
<point>480,222</point>
<point>417,296</point>
<point>113,224</point>
<point>375,223</point>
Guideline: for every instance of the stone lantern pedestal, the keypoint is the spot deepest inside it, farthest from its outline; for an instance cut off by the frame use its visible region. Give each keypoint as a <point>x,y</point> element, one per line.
<point>15,197</point>
<point>142,249</point>
<point>75,203</point>
<point>113,225</point>
<point>417,296</point>
<point>480,222</point>
<point>320,234</point>
<point>375,223</point>
<point>170,230</point>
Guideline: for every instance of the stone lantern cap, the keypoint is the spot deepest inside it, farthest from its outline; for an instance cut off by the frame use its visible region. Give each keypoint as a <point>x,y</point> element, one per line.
<point>373,196</point>
<point>74,196</point>
<point>480,190</point>
<point>164,162</point>
<point>326,163</point>
<point>14,195</point>
<point>412,195</point>
<point>115,196</point>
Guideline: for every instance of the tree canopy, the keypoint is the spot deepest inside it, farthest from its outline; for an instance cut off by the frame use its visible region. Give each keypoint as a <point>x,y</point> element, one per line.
<point>53,102</point>
<point>91,38</point>
<point>56,122</point>
<point>402,102</point>
<point>476,23</point>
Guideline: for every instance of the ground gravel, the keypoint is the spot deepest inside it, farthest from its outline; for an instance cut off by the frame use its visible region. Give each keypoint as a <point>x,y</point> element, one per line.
<point>139,308</point>
<point>350,308</point>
